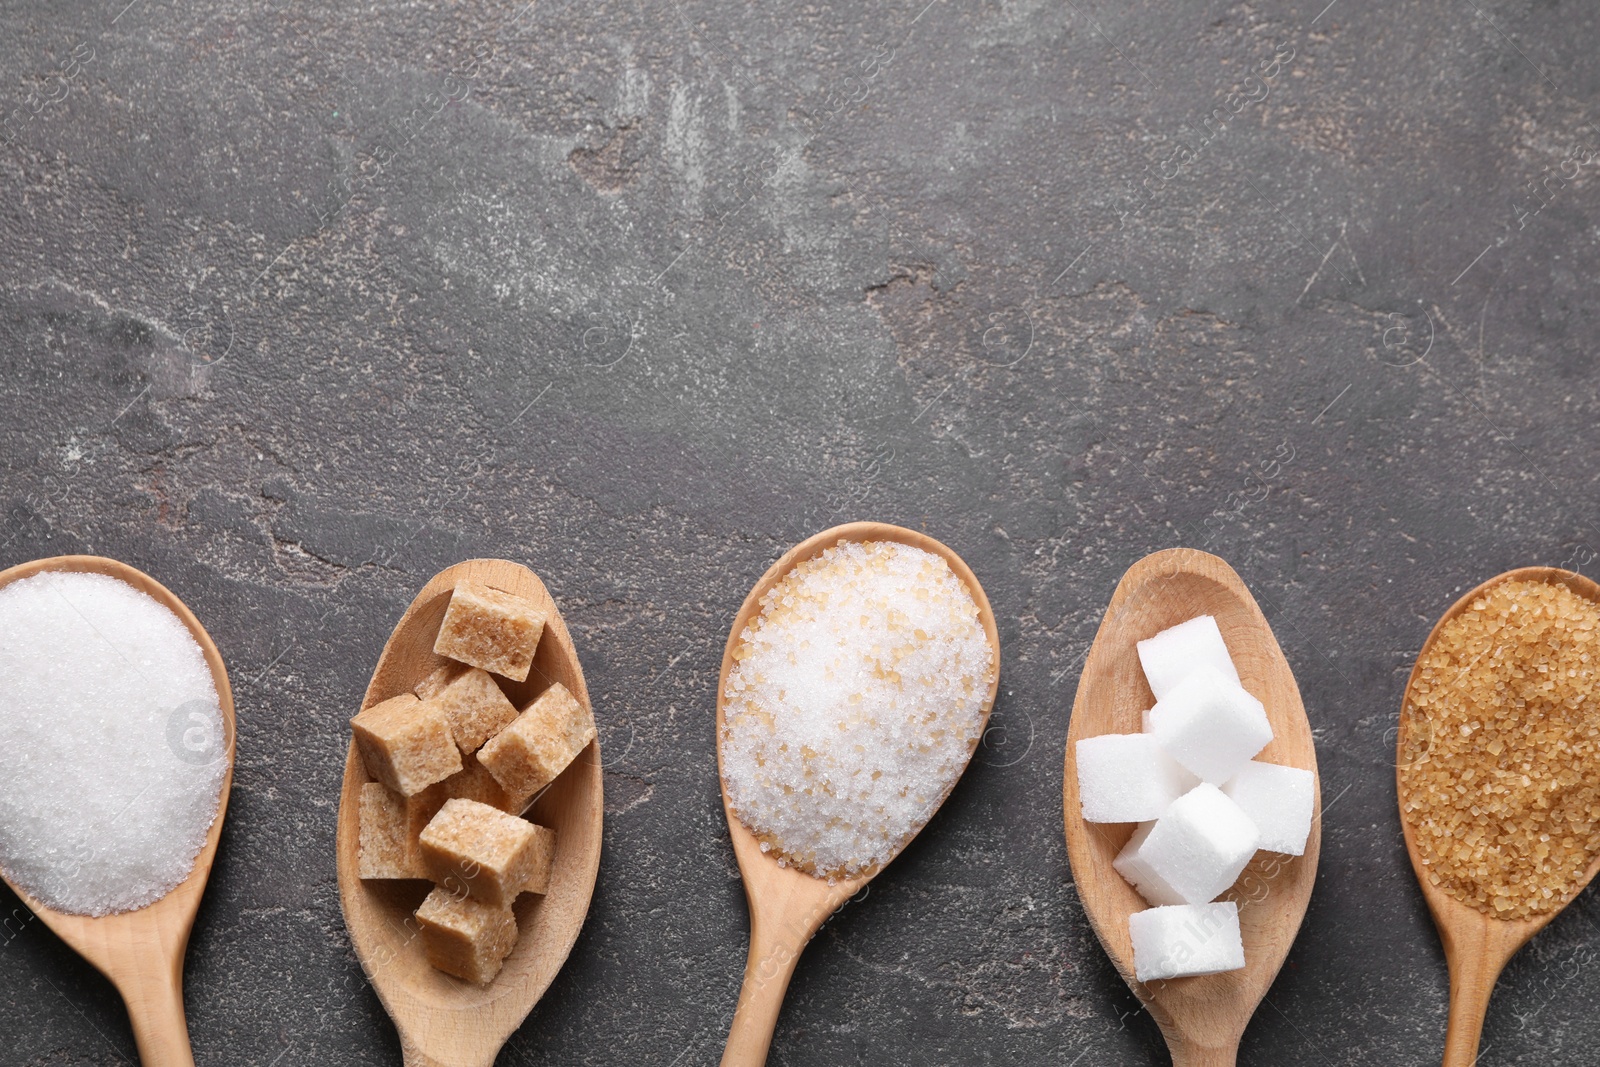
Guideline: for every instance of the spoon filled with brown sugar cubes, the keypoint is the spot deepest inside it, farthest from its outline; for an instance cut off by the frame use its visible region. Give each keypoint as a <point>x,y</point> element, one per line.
<point>470,817</point>
<point>1498,774</point>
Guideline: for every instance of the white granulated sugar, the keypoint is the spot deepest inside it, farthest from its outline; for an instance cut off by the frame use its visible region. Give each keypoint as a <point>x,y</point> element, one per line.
<point>112,752</point>
<point>854,702</point>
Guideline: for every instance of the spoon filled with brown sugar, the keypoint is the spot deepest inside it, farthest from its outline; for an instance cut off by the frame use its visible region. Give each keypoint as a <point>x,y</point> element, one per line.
<point>444,1021</point>
<point>1498,773</point>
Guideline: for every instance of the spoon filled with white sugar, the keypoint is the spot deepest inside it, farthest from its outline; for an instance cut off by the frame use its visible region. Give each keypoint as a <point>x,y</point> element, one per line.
<point>116,757</point>
<point>856,684</point>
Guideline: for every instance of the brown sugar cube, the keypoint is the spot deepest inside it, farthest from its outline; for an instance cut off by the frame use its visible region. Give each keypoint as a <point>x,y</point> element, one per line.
<point>472,782</point>
<point>406,744</point>
<point>490,629</point>
<point>544,846</point>
<point>438,678</point>
<point>476,708</point>
<point>527,755</point>
<point>420,811</point>
<point>491,854</point>
<point>384,851</point>
<point>466,937</point>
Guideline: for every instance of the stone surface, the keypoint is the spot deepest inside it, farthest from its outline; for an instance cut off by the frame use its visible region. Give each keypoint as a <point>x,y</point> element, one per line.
<point>301,304</point>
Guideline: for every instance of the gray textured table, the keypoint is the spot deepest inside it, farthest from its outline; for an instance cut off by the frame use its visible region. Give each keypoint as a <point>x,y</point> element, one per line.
<point>299,304</point>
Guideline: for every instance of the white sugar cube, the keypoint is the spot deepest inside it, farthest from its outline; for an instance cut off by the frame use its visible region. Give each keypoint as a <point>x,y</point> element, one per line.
<point>1197,849</point>
<point>1173,653</point>
<point>1186,940</point>
<point>1139,874</point>
<point>1128,778</point>
<point>1279,800</point>
<point>1211,725</point>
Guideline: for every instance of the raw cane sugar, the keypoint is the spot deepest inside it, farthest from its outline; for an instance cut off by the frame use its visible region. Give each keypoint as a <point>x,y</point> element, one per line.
<point>466,937</point>
<point>855,699</point>
<point>487,628</point>
<point>455,765</point>
<point>544,851</point>
<point>112,743</point>
<point>1500,751</point>
<point>472,782</point>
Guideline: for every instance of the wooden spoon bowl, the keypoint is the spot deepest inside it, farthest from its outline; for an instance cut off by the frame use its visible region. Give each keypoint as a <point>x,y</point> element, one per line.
<point>787,905</point>
<point>1202,1018</point>
<point>141,951</point>
<point>444,1021</point>
<point>1477,946</point>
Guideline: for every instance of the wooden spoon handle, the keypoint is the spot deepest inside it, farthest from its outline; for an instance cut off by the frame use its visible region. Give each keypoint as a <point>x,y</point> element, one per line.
<point>453,1042</point>
<point>1472,978</point>
<point>412,1056</point>
<point>1188,1054</point>
<point>155,1009</point>
<point>1477,949</point>
<point>773,955</point>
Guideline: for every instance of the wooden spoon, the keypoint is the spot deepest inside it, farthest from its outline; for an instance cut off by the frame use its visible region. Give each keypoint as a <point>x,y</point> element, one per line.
<point>787,905</point>
<point>445,1021</point>
<point>1477,946</point>
<point>141,951</point>
<point>1202,1018</point>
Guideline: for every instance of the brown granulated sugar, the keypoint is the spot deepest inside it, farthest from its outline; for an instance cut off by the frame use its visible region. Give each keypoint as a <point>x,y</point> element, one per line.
<point>1500,750</point>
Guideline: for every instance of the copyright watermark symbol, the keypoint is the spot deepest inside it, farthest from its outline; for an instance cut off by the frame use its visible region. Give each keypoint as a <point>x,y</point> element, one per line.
<point>197,732</point>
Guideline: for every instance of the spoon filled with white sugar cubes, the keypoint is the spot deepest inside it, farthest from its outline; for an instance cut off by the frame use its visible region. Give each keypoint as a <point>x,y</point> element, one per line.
<point>1192,800</point>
